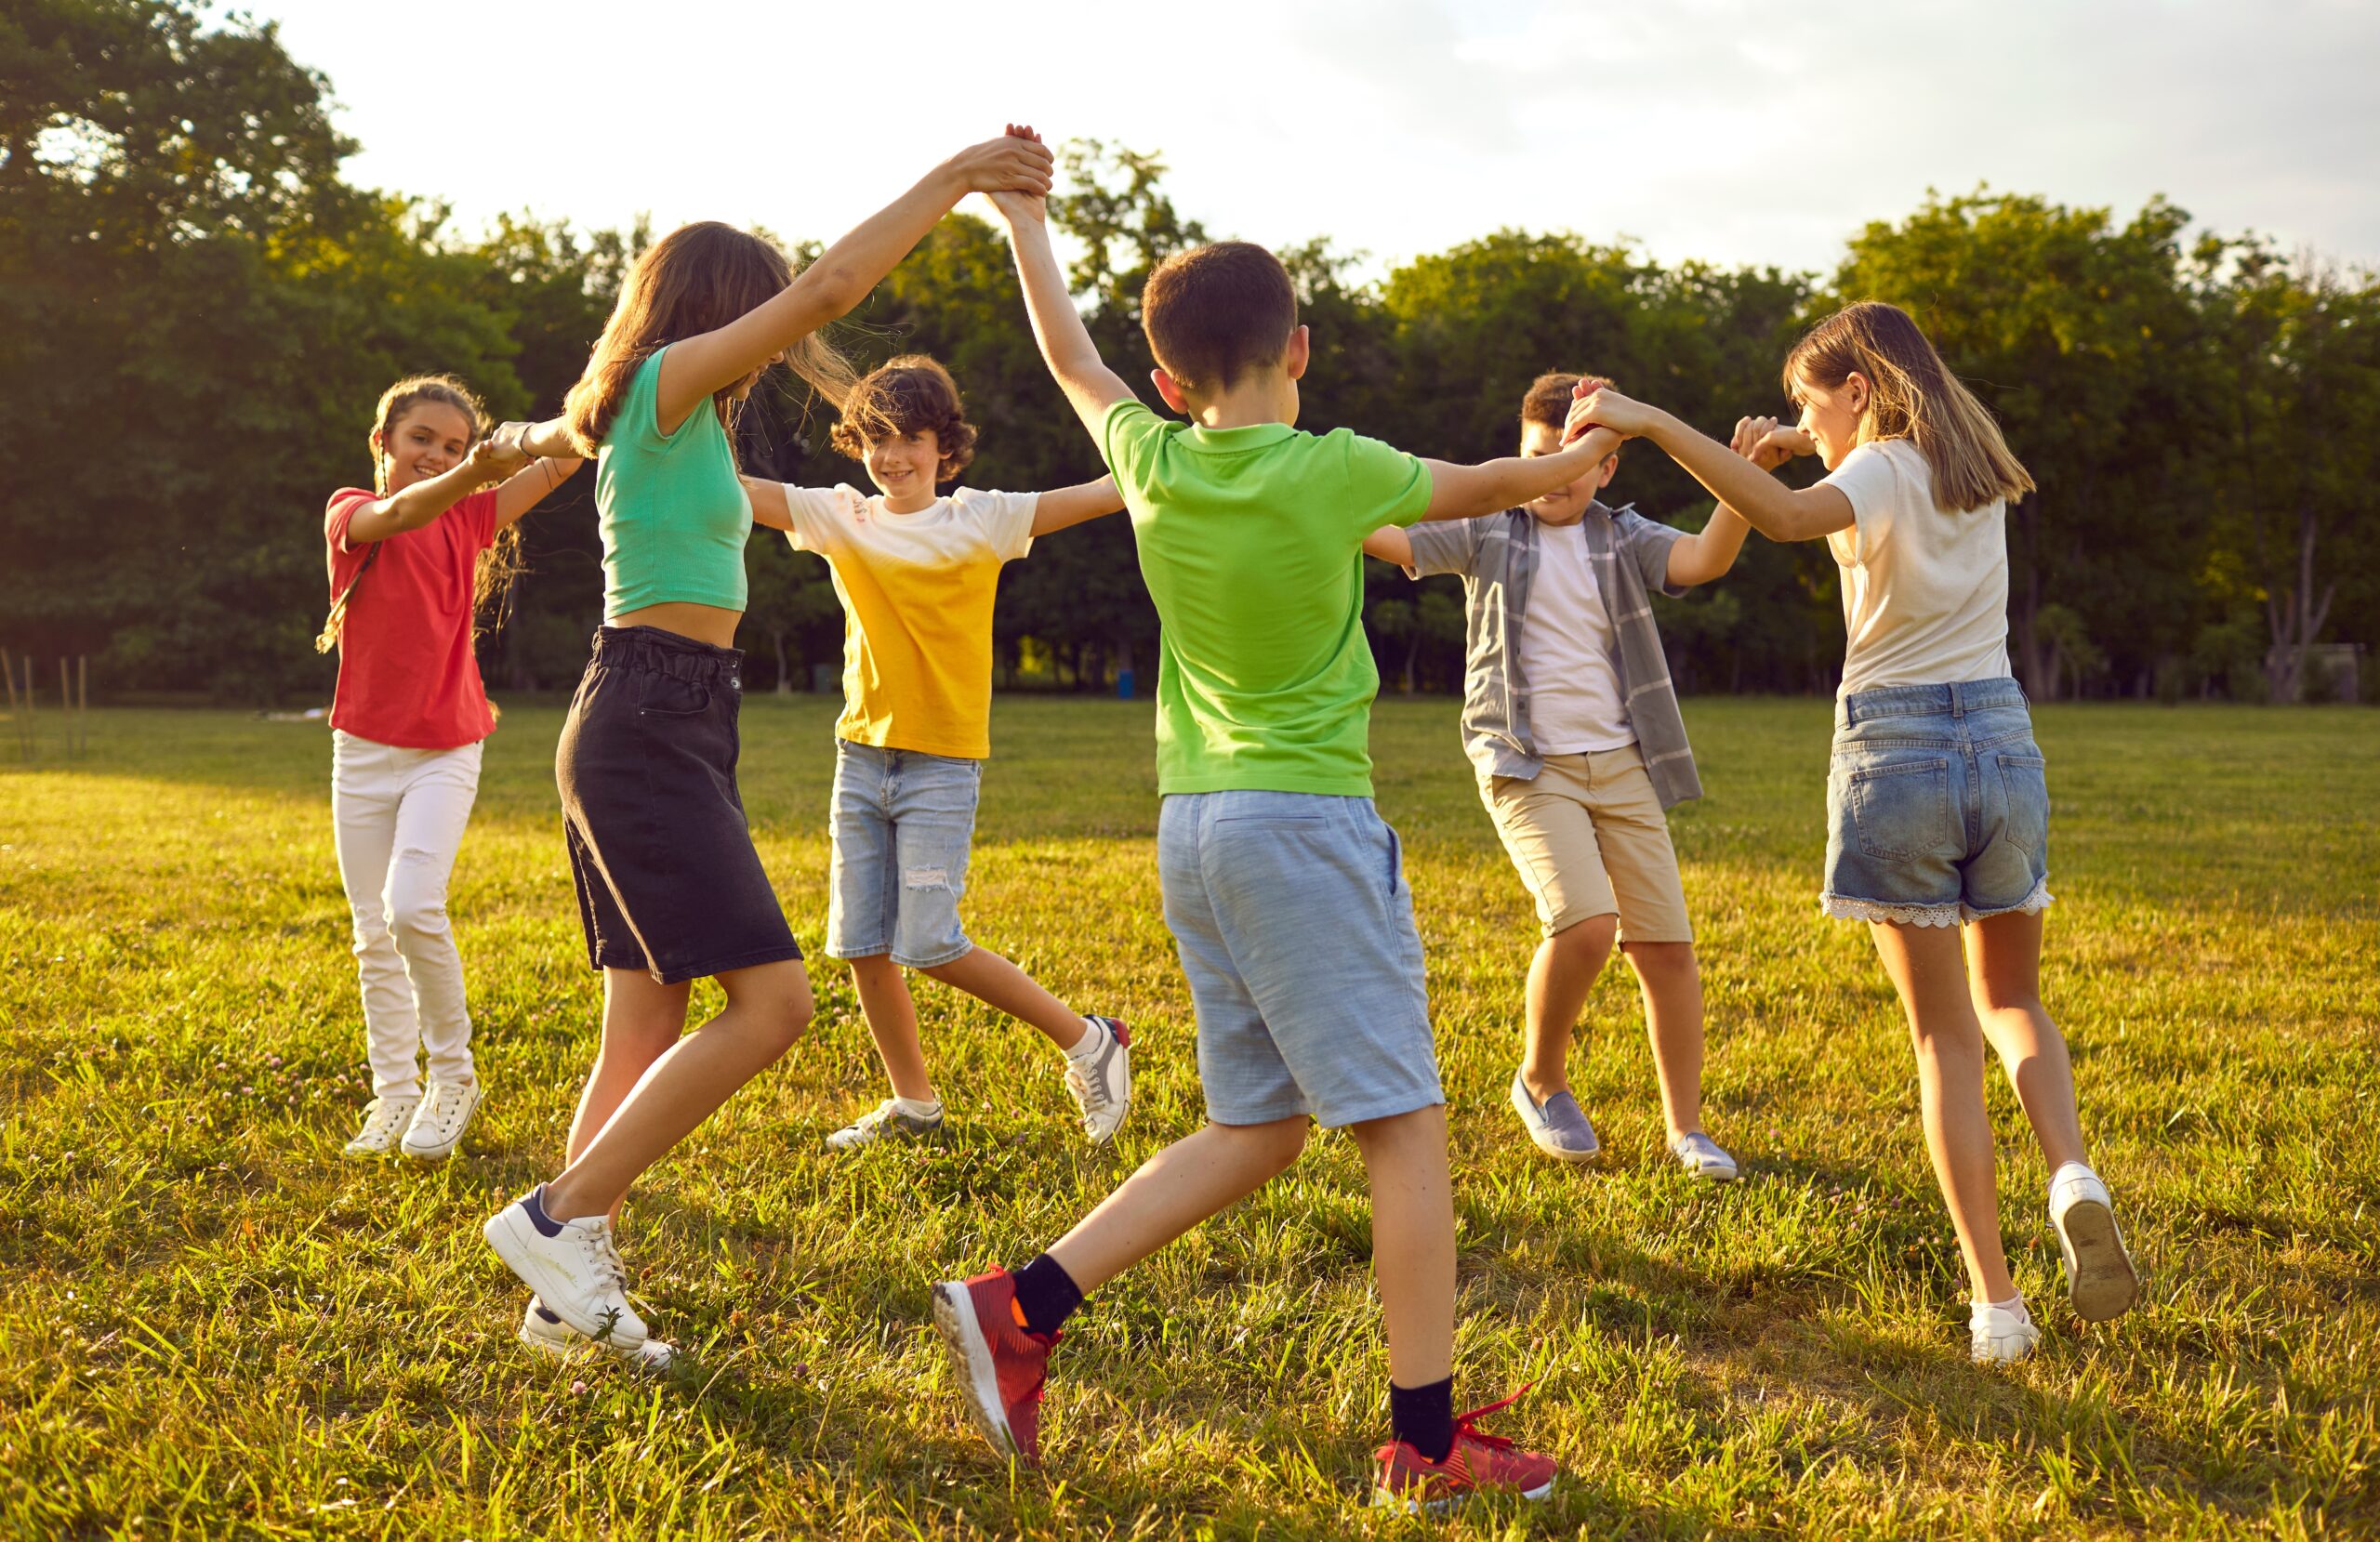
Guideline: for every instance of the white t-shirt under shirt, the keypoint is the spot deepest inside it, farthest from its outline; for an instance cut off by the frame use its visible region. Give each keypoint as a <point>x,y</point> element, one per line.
<point>1924,593</point>
<point>1566,651</point>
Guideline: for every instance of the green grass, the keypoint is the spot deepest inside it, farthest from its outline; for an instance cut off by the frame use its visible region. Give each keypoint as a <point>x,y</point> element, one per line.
<point>216,1327</point>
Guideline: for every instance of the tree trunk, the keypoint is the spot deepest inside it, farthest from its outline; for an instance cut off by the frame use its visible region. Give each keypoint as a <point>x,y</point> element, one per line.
<point>2037,672</point>
<point>785,672</point>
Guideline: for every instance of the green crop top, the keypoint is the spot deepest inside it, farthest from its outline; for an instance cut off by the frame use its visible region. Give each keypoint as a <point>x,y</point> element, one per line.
<point>675,518</point>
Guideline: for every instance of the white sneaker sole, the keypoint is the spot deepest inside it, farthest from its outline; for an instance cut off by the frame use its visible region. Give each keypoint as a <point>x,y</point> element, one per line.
<point>653,1355</point>
<point>438,1153</point>
<point>515,1239</point>
<point>1561,1154</point>
<point>971,1357</point>
<point>1383,1500</point>
<point>2100,1280</point>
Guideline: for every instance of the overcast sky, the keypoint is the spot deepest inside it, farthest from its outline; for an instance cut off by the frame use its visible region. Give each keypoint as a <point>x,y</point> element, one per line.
<point>1722,129</point>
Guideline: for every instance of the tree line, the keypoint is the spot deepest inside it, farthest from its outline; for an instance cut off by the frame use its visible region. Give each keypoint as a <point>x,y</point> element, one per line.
<point>197,312</point>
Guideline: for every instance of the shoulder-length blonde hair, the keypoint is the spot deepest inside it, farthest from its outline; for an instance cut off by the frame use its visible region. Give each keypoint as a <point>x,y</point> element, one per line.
<point>1912,395</point>
<point>694,280</point>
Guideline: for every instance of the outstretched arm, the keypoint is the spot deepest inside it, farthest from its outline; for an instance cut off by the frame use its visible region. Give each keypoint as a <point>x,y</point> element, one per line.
<point>1090,387</point>
<point>1389,544</point>
<point>527,488</point>
<point>1460,492</point>
<point>1071,506</point>
<point>1779,512</point>
<point>700,366</point>
<point>416,506</point>
<point>769,506</point>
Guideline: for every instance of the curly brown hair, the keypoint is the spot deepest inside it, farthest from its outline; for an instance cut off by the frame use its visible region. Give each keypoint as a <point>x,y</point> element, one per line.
<point>908,395</point>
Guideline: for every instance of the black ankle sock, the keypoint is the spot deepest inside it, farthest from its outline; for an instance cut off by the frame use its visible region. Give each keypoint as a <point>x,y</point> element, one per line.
<point>1045,1294</point>
<point>534,1203</point>
<point>1423,1417</point>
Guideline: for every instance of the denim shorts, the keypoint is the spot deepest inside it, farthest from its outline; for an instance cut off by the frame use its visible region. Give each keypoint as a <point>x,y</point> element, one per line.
<point>660,852</point>
<point>903,821</point>
<point>1295,926</point>
<point>1937,809</point>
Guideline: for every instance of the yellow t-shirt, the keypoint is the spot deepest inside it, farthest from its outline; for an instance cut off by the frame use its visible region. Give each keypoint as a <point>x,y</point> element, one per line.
<point>917,592</point>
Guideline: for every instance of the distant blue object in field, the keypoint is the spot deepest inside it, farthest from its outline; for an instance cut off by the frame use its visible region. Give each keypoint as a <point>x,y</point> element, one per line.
<point>1123,685</point>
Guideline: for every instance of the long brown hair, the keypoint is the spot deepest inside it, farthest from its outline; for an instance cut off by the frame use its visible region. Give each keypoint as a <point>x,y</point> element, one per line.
<point>500,565</point>
<point>694,280</point>
<point>1912,395</point>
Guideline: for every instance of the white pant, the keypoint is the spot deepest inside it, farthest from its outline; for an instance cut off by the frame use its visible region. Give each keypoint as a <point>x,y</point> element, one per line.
<point>400,815</point>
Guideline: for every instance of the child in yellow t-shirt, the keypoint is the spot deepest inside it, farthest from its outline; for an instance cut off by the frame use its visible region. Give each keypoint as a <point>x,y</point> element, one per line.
<point>917,572</point>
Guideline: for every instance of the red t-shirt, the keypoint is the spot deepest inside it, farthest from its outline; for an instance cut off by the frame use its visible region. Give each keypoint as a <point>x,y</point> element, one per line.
<point>406,673</point>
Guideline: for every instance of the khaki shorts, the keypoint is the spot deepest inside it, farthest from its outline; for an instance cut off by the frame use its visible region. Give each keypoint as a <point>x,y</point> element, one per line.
<point>1590,838</point>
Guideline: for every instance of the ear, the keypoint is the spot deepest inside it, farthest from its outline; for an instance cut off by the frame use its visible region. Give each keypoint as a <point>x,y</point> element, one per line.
<point>1170,389</point>
<point>1859,390</point>
<point>1609,469</point>
<point>1300,352</point>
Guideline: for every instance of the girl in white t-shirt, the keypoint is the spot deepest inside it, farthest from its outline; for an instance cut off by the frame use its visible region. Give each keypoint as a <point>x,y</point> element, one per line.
<point>1938,812</point>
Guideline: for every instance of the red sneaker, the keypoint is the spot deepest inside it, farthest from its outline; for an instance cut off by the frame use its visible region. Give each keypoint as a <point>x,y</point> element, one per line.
<point>998,1363</point>
<point>1479,1461</point>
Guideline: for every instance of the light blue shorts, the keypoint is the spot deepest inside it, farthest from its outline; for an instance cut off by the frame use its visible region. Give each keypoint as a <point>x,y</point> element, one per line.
<point>903,822</point>
<point>1937,808</point>
<point>1295,926</point>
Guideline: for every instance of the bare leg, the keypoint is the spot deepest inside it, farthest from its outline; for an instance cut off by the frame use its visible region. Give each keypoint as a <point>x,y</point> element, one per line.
<point>1559,977</point>
<point>1198,1175</point>
<point>1926,968</point>
<point>767,1007</point>
<point>642,1019</point>
<point>2004,977</point>
<point>1672,987</point>
<point>892,1022</point>
<point>997,982</point>
<point>1405,1157</point>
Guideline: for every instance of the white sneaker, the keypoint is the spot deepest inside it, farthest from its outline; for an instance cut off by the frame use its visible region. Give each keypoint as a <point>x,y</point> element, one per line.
<point>439,1122</point>
<point>573,1268</point>
<point>887,1121</point>
<point>1101,1080</point>
<point>384,1125</point>
<point>1998,1337</point>
<point>1702,1157</point>
<point>2100,1280</point>
<point>548,1334</point>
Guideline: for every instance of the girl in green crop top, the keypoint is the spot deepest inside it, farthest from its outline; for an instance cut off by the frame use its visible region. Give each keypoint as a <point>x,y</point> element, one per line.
<point>670,887</point>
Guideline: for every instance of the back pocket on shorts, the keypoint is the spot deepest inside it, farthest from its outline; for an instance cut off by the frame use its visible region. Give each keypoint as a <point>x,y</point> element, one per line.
<point>1902,811</point>
<point>2023,780</point>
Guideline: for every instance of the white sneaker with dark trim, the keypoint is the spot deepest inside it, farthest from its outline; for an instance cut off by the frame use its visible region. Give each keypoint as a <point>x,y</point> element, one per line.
<point>573,1268</point>
<point>384,1122</point>
<point>548,1334</point>
<point>1099,1078</point>
<point>439,1122</point>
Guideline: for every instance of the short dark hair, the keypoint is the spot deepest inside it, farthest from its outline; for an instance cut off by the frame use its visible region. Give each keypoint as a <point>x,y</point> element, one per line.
<point>1214,312</point>
<point>906,396</point>
<point>1550,395</point>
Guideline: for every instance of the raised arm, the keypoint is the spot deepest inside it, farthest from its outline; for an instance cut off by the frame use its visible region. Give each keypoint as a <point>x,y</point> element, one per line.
<point>1779,512</point>
<point>1460,492</point>
<point>1389,544</point>
<point>1090,387</point>
<point>1071,506</point>
<point>418,505</point>
<point>698,367</point>
<point>527,488</point>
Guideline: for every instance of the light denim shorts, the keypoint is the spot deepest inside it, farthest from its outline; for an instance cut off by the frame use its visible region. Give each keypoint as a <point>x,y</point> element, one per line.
<point>903,822</point>
<point>1295,926</point>
<point>1937,809</point>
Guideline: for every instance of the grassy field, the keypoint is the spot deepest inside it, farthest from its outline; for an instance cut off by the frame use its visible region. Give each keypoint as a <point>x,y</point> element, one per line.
<point>217,1327</point>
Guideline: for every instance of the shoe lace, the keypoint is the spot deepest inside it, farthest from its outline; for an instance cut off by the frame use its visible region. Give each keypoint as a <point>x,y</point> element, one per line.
<point>605,1256</point>
<point>386,1115</point>
<point>446,1105</point>
<point>1466,1426</point>
<point>1091,1099</point>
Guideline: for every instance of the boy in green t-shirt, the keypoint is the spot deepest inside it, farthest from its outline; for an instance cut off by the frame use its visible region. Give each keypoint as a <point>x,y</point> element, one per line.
<point>1283,889</point>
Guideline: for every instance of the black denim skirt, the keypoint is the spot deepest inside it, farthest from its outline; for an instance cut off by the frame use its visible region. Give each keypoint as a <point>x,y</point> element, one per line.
<point>662,857</point>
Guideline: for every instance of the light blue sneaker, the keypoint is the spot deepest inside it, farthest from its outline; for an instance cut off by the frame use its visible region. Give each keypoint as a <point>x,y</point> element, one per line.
<point>1558,1125</point>
<point>1702,1157</point>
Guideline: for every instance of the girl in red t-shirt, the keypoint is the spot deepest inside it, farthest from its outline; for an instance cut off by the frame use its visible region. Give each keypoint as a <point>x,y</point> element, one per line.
<point>411,562</point>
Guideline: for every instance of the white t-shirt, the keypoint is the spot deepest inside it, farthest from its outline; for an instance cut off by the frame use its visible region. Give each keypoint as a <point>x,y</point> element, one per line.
<point>1924,593</point>
<point>1566,651</point>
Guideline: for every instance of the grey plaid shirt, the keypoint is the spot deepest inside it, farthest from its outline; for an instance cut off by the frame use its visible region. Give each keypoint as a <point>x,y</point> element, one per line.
<point>1497,555</point>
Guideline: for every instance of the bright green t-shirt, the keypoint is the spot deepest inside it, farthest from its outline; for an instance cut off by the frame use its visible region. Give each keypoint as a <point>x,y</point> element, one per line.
<point>1250,542</point>
<point>674,514</point>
